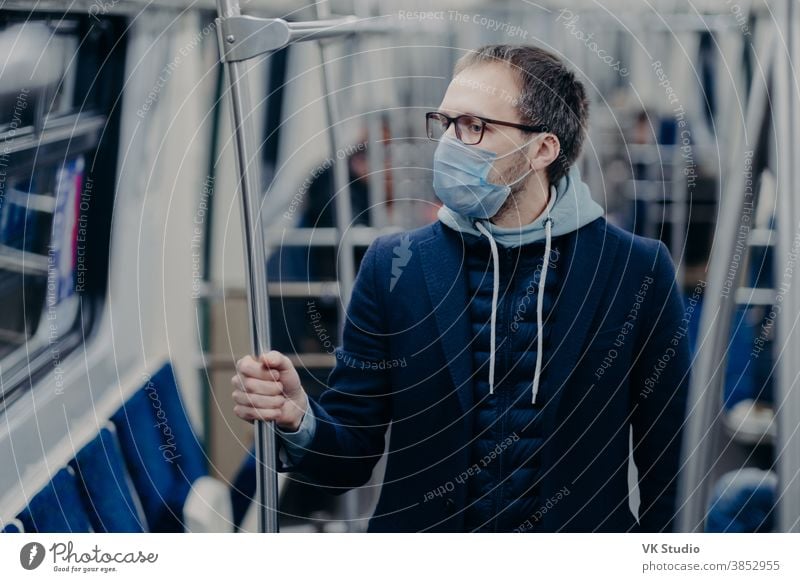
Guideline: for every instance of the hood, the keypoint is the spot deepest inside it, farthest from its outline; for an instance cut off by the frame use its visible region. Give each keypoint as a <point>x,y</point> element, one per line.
<point>570,207</point>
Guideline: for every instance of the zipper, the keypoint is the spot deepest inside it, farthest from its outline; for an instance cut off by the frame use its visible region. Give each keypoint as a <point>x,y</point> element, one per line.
<point>509,297</point>
<point>504,400</point>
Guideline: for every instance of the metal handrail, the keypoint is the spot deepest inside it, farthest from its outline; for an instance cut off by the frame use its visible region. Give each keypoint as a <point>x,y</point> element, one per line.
<point>704,405</point>
<point>246,37</point>
<point>242,38</point>
<point>787,397</point>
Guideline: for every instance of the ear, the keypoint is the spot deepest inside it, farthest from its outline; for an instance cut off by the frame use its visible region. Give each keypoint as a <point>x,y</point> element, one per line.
<point>543,152</point>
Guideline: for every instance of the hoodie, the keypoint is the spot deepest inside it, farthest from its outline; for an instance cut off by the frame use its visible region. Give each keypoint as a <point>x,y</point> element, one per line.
<point>569,207</point>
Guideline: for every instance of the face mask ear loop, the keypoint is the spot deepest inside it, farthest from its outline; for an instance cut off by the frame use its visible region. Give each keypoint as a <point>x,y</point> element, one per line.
<point>520,179</point>
<point>526,174</point>
<point>516,149</point>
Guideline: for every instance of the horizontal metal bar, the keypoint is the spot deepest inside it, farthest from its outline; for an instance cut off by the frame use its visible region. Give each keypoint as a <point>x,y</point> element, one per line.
<point>55,129</point>
<point>755,296</point>
<point>325,237</point>
<point>304,289</point>
<point>33,202</point>
<point>23,262</point>
<point>762,237</point>
<point>654,148</point>
<point>314,25</point>
<point>277,289</point>
<point>660,21</point>
<point>246,37</point>
<point>210,292</point>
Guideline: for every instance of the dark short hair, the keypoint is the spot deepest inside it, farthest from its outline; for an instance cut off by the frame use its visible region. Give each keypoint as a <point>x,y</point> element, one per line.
<point>550,95</point>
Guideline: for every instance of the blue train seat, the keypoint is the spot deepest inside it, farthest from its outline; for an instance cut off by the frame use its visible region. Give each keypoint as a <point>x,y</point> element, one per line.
<point>13,526</point>
<point>166,461</point>
<point>105,486</point>
<point>57,508</point>
<point>743,501</point>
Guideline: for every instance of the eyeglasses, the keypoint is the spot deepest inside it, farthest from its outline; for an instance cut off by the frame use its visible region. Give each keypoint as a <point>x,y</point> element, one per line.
<point>469,128</point>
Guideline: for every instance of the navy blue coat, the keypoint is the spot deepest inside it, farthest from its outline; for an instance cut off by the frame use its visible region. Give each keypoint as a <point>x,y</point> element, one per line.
<point>621,359</point>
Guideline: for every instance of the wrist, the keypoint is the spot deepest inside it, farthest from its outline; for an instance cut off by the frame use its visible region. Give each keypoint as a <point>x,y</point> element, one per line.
<point>298,411</point>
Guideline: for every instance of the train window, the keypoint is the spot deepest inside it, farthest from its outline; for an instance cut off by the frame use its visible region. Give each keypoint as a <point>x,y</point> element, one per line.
<point>54,124</point>
<point>38,252</point>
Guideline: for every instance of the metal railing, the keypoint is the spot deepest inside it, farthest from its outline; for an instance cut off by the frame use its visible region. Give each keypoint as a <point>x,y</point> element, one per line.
<point>242,38</point>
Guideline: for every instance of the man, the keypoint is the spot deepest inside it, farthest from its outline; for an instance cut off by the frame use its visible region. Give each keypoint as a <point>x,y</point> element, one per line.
<point>513,345</point>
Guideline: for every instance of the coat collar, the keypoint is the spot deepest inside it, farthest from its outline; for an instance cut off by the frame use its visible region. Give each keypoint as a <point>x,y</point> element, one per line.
<point>589,250</point>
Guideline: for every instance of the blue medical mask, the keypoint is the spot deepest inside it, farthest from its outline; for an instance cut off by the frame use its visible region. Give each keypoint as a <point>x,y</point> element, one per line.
<point>460,179</point>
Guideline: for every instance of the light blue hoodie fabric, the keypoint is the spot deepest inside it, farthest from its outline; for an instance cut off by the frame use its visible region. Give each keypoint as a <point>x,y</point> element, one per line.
<point>296,442</point>
<point>571,208</point>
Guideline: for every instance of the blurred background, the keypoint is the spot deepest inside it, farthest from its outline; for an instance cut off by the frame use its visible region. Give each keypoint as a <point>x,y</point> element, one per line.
<point>123,303</point>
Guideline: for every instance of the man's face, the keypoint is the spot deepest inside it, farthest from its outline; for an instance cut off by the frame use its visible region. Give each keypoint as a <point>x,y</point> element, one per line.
<point>491,91</point>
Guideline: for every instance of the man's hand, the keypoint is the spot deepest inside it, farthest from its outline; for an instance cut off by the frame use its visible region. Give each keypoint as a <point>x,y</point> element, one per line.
<point>269,388</point>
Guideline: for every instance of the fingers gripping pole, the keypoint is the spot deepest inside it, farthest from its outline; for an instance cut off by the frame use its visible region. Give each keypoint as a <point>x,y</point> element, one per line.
<point>247,165</point>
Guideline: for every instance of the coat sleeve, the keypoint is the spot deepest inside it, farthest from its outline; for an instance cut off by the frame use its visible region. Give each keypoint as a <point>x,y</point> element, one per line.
<point>659,388</point>
<point>295,443</point>
<point>354,411</point>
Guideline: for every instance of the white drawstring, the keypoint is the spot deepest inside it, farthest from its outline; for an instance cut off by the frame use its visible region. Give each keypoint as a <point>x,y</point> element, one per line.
<point>495,292</point>
<point>539,303</point>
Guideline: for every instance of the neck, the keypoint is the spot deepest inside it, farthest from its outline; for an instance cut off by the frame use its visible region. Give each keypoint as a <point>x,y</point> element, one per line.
<point>523,207</point>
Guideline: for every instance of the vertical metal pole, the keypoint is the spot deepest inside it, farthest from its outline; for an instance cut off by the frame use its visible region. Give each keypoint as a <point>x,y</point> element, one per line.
<point>248,169</point>
<point>701,436</point>
<point>342,200</point>
<point>787,410</point>
<point>376,149</point>
<point>343,210</point>
<point>790,519</point>
<point>390,98</point>
<point>679,215</point>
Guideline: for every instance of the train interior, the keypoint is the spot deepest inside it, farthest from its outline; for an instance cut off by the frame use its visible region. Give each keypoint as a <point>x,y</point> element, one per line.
<point>123,276</point>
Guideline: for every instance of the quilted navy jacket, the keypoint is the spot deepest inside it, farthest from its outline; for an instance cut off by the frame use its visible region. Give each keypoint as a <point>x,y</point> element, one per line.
<point>503,488</point>
<point>618,359</point>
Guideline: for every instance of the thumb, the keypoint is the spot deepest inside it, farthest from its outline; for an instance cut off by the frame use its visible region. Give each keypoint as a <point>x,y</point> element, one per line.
<point>274,359</point>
